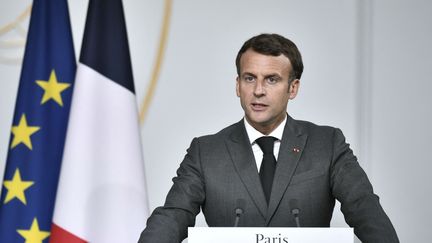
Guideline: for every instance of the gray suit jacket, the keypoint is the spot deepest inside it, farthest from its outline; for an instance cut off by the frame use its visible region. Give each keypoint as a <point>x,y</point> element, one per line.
<point>315,166</point>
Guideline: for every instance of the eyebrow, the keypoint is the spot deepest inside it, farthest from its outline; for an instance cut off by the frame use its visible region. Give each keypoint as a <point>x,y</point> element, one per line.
<point>273,75</point>
<point>265,77</point>
<point>248,74</point>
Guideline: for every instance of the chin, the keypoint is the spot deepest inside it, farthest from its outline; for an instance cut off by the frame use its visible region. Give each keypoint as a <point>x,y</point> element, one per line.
<point>262,121</point>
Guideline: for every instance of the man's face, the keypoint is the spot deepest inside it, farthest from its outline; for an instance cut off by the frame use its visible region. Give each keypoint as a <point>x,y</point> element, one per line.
<point>264,90</point>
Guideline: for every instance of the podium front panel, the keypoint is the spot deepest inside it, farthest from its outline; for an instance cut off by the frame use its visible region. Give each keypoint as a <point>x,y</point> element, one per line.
<point>269,235</point>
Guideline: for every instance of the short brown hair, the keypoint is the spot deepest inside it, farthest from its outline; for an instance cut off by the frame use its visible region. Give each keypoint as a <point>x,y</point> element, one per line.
<point>274,45</point>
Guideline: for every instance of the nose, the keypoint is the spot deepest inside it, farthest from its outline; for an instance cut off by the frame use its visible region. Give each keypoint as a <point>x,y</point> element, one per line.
<point>259,89</point>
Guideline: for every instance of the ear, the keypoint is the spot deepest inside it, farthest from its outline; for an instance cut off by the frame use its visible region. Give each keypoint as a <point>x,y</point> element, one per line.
<point>237,87</point>
<point>294,88</point>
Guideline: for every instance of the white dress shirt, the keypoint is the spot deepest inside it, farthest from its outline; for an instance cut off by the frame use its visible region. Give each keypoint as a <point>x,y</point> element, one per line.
<point>254,134</point>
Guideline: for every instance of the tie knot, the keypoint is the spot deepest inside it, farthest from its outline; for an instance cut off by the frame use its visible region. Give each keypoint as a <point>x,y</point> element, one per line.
<point>266,144</point>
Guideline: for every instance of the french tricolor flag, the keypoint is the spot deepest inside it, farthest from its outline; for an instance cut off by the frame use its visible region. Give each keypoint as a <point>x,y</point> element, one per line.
<point>101,194</point>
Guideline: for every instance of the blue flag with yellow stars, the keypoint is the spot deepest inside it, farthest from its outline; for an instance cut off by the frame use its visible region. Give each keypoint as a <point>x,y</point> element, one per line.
<point>39,126</point>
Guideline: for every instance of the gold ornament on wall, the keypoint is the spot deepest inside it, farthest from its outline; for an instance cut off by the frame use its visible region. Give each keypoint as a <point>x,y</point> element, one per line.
<point>17,42</point>
<point>158,61</point>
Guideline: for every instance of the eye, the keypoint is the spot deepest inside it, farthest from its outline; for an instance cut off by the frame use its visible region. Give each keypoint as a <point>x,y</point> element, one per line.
<point>273,79</point>
<point>249,78</point>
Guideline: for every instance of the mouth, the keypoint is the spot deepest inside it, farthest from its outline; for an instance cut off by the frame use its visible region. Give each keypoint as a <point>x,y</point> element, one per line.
<point>258,106</point>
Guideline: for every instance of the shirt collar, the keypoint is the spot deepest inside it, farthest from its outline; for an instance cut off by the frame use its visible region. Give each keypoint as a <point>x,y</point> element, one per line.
<point>254,134</point>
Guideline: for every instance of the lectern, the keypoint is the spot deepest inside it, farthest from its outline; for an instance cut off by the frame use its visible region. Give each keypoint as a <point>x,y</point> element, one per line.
<point>269,235</point>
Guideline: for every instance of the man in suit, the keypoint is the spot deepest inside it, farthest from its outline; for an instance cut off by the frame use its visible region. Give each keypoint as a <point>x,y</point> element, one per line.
<point>269,164</point>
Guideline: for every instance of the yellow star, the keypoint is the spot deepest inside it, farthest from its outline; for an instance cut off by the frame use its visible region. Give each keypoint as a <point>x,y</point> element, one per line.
<point>16,188</point>
<point>22,133</point>
<point>52,89</point>
<point>34,234</point>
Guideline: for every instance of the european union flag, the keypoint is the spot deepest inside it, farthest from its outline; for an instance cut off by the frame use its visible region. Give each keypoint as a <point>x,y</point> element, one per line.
<point>39,126</point>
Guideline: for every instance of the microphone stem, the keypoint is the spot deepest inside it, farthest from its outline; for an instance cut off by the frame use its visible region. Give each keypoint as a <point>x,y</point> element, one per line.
<point>297,221</point>
<point>237,219</point>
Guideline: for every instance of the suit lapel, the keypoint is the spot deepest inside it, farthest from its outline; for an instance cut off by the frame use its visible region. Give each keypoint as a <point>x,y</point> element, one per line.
<point>291,148</point>
<point>244,162</point>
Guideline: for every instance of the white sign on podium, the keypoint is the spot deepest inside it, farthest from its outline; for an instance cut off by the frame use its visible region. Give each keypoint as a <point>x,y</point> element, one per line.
<point>269,235</point>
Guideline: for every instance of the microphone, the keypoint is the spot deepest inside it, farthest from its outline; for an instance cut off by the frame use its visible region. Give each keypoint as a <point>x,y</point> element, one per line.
<point>295,211</point>
<point>239,210</point>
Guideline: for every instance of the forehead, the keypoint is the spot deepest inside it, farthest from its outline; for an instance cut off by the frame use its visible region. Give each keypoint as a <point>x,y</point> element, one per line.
<point>253,62</point>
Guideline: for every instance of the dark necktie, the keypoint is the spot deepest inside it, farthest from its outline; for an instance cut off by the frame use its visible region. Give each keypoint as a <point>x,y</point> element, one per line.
<point>268,164</point>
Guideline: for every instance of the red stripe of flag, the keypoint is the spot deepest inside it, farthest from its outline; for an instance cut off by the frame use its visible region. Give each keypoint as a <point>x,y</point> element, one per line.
<point>58,234</point>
